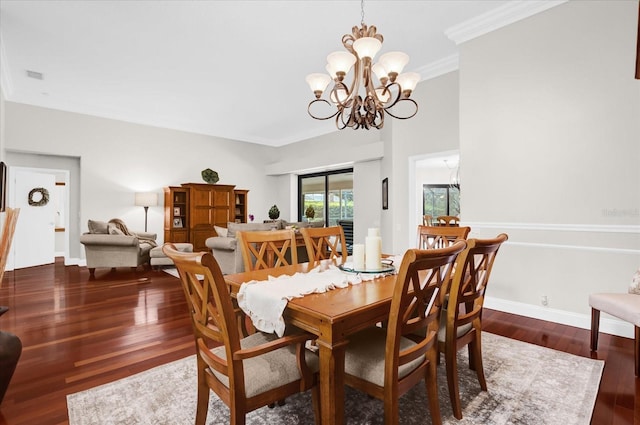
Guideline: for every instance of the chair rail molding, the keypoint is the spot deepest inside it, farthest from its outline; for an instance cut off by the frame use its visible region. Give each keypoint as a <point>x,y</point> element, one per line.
<point>599,228</point>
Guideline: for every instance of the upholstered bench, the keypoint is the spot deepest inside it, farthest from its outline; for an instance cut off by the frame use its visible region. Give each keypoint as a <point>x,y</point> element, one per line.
<point>158,259</point>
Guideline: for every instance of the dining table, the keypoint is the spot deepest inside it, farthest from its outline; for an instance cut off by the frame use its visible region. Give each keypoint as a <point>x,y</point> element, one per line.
<point>332,316</point>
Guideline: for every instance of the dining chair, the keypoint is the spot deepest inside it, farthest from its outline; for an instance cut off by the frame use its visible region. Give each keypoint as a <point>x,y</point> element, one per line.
<point>625,306</point>
<point>461,322</point>
<point>325,243</point>
<point>246,373</point>
<point>427,220</point>
<point>385,362</point>
<point>448,220</point>
<point>430,237</point>
<point>268,249</point>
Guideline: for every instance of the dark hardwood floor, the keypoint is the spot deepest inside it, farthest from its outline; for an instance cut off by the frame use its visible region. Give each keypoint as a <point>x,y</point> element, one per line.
<point>78,333</point>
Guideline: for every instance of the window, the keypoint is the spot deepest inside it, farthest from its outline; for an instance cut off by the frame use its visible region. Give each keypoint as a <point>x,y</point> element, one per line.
<point>329,194</point>
<point>440,199</point>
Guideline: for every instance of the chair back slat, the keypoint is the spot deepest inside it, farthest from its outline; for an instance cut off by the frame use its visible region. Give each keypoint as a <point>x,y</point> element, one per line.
<point>325,243</point>
<point>416,303</point>
<point>433,237</point>
<point>268,249</point>
<point>212,313</point>
<point>448,220</point>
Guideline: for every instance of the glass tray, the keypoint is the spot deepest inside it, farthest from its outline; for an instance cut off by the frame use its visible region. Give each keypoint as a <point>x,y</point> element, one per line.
<point>386,268</point>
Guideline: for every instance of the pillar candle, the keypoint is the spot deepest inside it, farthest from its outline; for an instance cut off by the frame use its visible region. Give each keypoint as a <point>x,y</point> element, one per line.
<point>358,256</point>
<point>373,247</point>
<point>374,231</point>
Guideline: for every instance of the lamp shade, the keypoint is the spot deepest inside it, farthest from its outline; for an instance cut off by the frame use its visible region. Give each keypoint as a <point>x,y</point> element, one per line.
<point>367,47</point>
<point>408,80</point>
<point>318,82</point>
<point>146,199</point>
<point>394,61</point>
<point>340,62</point>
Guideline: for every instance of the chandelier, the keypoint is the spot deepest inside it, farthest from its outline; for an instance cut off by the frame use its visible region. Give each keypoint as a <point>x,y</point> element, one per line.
<point>362,103</point>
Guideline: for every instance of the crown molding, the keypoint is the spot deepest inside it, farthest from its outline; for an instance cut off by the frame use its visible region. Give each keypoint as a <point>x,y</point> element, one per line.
<point>439,67</point>
<point>5,78</point>
<point>502,16</point>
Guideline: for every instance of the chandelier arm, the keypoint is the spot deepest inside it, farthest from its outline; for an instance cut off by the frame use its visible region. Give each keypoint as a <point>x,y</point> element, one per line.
<point>321,118</point>
<point>407,117</point>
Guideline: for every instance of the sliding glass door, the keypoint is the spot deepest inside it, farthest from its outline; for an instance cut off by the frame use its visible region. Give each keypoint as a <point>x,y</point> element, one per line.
<point>329,195</point>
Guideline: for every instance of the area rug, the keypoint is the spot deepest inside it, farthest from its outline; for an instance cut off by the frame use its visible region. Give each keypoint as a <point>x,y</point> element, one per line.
<point>527,384</point>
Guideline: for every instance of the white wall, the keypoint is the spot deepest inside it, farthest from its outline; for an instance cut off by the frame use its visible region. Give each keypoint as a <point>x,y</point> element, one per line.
<point>549,147</point>
<point>119,159</point>
<point>434,129</point>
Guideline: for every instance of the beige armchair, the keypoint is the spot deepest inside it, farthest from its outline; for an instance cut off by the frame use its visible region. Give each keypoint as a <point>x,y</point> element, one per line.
<point>107,246</point>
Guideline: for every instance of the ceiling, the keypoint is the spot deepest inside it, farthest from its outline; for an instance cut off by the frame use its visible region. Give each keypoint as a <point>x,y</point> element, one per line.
<point>232,69</point>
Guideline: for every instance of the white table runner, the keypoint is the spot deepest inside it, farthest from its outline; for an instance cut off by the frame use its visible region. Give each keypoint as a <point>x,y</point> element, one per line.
<point>264,301</point>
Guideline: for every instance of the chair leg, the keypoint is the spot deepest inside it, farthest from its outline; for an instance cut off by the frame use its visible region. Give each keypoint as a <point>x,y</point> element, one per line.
<point>432,389</point>
<point>595,328</point>
<point>475,347</point>
<point>451,366</point>
<point>203,395</point>
<point>637,350</point>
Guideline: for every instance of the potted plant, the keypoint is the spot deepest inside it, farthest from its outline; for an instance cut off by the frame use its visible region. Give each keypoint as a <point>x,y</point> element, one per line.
<point>310,213</point>
<point>274,212</point>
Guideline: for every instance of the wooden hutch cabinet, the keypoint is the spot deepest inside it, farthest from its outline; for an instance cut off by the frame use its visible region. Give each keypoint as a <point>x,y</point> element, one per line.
<point>192,209</point>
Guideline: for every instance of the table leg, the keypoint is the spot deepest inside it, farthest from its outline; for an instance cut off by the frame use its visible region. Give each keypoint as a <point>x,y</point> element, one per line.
<point>332,382</point>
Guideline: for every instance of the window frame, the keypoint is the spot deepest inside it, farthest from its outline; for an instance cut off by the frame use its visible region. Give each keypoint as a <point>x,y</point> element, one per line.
<point>326,175</point>
<point>441,186</point>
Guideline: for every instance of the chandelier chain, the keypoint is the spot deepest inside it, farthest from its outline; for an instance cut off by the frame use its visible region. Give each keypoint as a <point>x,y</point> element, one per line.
<point>362,12</point>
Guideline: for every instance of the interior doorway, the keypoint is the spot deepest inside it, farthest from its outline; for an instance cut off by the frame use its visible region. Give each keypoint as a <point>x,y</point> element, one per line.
<point>435,168</point>
<point>34,191</point>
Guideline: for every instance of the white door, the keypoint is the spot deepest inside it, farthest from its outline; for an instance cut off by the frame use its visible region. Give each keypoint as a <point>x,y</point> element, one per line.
<point>34,239</point>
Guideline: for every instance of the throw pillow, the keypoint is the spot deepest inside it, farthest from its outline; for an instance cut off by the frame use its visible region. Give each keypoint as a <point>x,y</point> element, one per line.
<point>634,288</point>
<point>99,227</point>
<point>221,231</point>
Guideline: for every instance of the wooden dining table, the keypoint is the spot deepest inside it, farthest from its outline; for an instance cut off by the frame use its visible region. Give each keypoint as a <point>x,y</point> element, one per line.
<point>332,316</point>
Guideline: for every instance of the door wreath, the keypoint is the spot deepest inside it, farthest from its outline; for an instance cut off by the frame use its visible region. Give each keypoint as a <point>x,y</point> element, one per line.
<point>44,197</point>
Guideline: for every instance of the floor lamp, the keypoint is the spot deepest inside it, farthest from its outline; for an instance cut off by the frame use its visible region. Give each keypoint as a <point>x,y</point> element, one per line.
<point>146,200</point>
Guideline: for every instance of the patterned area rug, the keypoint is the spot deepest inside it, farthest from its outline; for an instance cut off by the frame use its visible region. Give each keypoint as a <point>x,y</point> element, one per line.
<point>527,384</point>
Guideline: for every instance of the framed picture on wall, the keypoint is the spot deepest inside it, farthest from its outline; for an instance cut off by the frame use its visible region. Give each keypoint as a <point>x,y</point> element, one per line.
<point>3,186</point>
<point>385,193</point>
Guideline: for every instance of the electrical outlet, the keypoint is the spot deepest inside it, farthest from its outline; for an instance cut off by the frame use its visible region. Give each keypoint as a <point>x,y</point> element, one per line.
<point>544,300</point>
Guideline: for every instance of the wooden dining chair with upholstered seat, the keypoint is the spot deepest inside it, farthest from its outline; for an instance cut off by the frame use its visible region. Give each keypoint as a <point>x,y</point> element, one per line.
<point>246,373</point>
<point>430,237</point>
<point>386,362</point>
<point>448,220</point>
<point>325,243</point>
<point>625,306</point>
<point>268,249</point>
<point>427,220</point>
<point>461,322</point>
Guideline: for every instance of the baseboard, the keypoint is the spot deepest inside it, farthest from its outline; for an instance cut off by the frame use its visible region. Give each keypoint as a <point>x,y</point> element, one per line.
<point>75,262</point>
<point>607,325</point>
